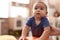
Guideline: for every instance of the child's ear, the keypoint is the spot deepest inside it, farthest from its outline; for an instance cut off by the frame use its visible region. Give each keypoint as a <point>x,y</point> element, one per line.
<point>46,13</point>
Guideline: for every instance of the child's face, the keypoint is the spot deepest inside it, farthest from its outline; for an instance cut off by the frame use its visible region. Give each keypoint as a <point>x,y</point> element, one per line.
<point>40,10</point>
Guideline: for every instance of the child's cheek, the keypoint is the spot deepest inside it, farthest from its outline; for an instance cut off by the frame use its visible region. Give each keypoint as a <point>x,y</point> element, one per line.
<point>43,15</point>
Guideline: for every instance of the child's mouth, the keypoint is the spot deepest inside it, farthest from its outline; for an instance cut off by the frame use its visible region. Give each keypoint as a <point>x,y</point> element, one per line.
<point>38,13</point>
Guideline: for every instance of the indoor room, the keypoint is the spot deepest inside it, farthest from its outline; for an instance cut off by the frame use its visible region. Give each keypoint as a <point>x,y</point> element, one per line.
<point>14,16</point>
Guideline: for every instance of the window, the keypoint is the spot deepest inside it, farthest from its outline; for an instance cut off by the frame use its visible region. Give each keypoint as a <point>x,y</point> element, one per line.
<point>19,23</point>
<point>23,11</point>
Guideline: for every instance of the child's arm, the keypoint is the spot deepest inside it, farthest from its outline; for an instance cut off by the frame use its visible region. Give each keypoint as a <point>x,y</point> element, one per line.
<point>24,33</point>
<point>45,34</point>
<point>55,31</point>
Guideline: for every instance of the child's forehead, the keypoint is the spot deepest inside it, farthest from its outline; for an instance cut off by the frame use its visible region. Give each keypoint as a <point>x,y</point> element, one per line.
<point>40,5</point>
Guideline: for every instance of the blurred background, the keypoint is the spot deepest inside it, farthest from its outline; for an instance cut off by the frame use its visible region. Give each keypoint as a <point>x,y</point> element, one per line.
<point>14,13</point>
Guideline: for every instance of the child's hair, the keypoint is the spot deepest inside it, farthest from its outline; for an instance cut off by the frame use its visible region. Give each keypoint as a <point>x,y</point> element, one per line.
<point>39,2</point>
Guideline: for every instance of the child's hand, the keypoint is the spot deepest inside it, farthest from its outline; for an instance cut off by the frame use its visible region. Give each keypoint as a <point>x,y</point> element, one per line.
<point>23,38</point>
<point>41,39</point>
<point>37,39</point>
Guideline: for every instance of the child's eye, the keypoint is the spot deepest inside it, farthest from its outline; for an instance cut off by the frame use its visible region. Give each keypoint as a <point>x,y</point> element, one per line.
<point>41,8</point>
<point>35,8</point>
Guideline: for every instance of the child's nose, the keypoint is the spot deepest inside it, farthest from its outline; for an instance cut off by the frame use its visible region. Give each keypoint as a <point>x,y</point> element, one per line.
<point>38,10</point>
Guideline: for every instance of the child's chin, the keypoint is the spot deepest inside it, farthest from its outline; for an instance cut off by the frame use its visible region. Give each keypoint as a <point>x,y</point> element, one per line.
<point>38,16</point>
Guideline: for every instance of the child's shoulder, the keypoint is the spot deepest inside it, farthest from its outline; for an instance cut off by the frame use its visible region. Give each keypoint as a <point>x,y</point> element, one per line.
<point>30,18</point>
<point>44,18</point>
